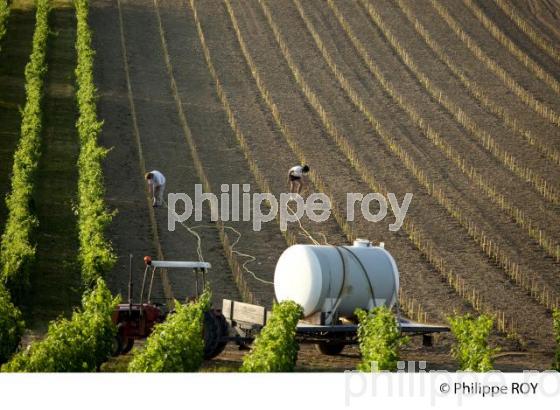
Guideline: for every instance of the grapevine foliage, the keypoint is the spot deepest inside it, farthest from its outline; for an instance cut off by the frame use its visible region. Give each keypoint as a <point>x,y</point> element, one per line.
<point>556,326</point>
<point>472,349</point>
<point>79,344</point>
<point>11,326</point>
<point>17,246</point>
<point>275,348</point>
<point>176,345</point>
<point>96,254</point>
<point>4,14</point>
<point>380,339</point>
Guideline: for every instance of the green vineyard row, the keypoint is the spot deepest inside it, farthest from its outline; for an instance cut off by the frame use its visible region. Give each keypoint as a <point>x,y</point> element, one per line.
<point>18,249</point>
<point>95,254</point>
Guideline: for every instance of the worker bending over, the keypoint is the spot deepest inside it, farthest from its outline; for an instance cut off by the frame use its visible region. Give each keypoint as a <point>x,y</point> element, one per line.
<point>156,186</point>
<point>295,178</point>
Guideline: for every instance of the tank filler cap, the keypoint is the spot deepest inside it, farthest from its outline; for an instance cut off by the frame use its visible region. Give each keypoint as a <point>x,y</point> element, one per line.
<point>365,243</point>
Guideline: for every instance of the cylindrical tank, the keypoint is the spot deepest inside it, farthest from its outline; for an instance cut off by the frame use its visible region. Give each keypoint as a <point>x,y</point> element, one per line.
<point>337,278</point>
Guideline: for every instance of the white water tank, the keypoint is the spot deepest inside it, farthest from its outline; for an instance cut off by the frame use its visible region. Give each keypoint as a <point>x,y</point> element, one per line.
<point>337,278</point>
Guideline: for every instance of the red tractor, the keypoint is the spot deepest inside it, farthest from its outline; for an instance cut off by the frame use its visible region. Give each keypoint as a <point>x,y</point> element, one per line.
<point>137,320</point>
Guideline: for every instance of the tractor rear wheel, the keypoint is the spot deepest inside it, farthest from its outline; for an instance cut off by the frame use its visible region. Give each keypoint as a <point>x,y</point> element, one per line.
<point>222,323</point>
<point>116,348</point>
<point>215,330</point>
<point>128,346</point>
<point>118,344</point>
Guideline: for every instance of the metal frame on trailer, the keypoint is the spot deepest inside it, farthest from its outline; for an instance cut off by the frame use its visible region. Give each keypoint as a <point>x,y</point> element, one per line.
<point>246,320</point>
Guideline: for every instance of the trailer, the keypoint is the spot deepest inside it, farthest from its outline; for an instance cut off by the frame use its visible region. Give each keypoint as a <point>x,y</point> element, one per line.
<point>246,320</point>
<point>328,324</point>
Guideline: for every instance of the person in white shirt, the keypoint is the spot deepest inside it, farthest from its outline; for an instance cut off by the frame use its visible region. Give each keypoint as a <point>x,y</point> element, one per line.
<point>295,178</point>
<point>156,186</point>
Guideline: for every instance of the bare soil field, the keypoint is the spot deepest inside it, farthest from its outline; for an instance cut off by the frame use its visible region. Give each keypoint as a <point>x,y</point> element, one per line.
<point>398,96</point>
<point>415,356</point>
<point>543,16</point>
<point>166,64</point>
<point>443,229</point>
<point>185,98</point>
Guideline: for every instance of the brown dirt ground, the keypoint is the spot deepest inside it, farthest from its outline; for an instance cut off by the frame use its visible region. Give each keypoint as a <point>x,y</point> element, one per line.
<point>469,262</point>
<point>543,16</point>
<point>310,360</point>
<point>164,147</point>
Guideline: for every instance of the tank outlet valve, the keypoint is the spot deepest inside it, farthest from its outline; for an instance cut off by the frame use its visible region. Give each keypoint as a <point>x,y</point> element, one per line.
<point>366,243</point>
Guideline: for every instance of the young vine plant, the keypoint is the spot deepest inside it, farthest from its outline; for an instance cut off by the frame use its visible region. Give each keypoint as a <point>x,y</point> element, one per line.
<point>176,345</point>
<point>556,327</point>
<point>472,349</point>
<point>380,339</point>
<point>79,344</point>
<point>11,326</point>
<point>275,348</point>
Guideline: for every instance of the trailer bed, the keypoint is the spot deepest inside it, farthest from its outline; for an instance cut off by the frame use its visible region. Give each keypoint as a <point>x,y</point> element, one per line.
<point>405,326</point>
<point>246,320</point>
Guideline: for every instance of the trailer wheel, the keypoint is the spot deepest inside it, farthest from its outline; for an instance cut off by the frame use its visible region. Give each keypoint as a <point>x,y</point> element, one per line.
<point>329,348</point>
